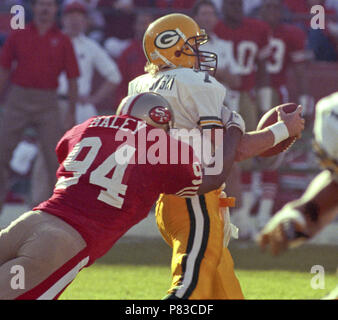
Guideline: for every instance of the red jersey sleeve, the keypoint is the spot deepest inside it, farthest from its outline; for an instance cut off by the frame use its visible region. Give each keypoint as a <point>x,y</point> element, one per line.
<point>71,67</point>
<point>8,52</point>
<point>185,179</point>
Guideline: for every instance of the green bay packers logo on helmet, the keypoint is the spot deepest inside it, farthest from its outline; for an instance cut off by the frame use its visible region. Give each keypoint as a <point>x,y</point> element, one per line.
<point>167,39</point>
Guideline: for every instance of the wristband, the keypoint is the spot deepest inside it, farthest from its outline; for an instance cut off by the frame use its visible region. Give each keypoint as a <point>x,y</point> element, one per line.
<point>280,132</point>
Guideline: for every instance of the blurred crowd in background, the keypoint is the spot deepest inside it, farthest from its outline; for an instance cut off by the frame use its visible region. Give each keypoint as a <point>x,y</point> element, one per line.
<point>114,18</point>
<point>118,26</point>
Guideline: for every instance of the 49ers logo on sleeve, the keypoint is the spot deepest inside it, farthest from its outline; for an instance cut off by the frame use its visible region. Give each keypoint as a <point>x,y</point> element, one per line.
<point>160,115</point>
<point>167,39</point>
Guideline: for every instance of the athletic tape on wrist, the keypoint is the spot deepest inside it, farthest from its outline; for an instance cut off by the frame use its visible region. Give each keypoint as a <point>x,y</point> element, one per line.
<point>280,132</point>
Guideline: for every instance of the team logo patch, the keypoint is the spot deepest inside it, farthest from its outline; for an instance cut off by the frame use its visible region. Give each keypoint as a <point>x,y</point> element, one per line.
<point>167,39</point>
<point>160,115</point>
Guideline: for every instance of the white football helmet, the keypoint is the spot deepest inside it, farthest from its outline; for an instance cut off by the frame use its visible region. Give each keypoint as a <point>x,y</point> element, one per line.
<point>326,132</point>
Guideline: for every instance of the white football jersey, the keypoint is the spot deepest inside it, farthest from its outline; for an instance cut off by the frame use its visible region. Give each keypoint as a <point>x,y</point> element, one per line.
<point>197,100</point>
<point>196,97</point>
<point>326,126</point>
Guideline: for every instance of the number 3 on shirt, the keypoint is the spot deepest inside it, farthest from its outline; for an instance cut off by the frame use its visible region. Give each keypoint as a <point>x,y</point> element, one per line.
<point>113,186</point>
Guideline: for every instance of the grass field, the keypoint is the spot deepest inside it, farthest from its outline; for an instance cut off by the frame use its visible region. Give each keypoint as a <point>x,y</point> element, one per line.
<point>139,269</point>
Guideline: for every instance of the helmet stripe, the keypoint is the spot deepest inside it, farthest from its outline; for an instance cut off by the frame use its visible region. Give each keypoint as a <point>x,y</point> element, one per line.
<point>182,35</point>
<point>168,62</point>
<point>132,103</point>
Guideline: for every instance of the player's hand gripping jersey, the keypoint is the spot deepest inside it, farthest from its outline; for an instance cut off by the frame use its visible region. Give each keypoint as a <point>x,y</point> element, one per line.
<point>106,181</point>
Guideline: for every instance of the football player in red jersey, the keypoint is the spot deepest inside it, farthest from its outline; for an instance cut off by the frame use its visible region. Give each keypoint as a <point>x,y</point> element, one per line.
<point>287,43</point>
<point>249,39</point>
<point>101,191</point>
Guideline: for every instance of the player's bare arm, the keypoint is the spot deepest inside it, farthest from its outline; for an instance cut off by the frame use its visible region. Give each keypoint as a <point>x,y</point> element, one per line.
<point>304,217</point>
<point>319,203</point>
<point>239,146</point>
<point>256,142</point>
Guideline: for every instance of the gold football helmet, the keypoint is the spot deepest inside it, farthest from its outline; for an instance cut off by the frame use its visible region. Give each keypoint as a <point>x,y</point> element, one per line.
<point>150,107</point>
<point>173,41</point>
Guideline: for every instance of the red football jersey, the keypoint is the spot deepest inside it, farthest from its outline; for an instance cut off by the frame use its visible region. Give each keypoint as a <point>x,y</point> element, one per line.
<point>287,43</point>
<point>250,43</point>
<point>108,178</point>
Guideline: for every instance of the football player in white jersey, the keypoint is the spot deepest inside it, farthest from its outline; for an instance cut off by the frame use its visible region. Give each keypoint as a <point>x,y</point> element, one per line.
<point>202,267</point>
<point>303,218</point>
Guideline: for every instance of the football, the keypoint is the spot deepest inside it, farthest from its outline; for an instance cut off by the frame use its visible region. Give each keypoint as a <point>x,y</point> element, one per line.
<point>271,117</point>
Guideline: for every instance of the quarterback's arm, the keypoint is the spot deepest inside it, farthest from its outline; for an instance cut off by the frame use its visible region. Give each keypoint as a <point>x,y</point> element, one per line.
<point>256,142</point>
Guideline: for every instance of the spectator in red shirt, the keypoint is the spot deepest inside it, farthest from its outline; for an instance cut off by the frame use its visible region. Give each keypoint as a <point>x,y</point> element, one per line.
<point>34,58</point>
<point>250,53</point>
<point>288,51</point>
<point>132,60</point>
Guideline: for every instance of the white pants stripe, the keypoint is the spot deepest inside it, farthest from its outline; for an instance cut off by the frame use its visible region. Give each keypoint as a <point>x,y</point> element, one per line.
<point>54,290</point>
<point>196,248</point>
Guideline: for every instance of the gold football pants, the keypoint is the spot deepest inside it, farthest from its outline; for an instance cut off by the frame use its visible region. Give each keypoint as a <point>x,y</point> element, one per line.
<point>202,268</point>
